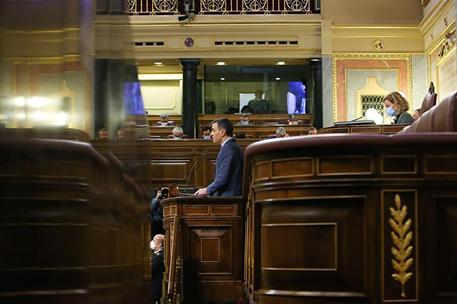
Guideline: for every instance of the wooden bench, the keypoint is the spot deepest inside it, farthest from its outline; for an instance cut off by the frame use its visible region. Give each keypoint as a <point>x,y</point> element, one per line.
<point>73,226</point>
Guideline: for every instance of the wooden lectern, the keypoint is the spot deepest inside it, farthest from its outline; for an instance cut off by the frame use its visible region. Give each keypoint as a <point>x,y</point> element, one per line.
<point>203,248</point>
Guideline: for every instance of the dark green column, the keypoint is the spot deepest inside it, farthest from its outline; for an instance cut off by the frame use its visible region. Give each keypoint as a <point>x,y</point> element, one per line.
<point>189,96</point>
<point>316,65</point>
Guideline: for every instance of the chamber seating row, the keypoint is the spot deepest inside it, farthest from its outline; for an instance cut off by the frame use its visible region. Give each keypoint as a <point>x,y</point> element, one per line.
<point>355,218</point>
<point>73,226</point>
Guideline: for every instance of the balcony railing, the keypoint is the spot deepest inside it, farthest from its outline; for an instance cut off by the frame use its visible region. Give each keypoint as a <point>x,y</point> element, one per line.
<point>209,7</point>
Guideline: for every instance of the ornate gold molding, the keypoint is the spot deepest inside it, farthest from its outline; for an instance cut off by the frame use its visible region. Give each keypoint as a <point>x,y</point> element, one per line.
<point>402,249</point>
<point>368,56</point>
<point>448,43</point>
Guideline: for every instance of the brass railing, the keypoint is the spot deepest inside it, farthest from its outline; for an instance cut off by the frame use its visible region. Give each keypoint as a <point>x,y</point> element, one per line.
<point>220,7</point>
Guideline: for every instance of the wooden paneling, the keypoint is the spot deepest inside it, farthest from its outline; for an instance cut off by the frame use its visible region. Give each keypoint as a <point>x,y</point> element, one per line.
<point>261,125</point>
<point>368,129</point>
<point>209,246</point>
<point>72,225</point>
<point>352,219</point>
<point>153,163</point>
<point>48,133</point>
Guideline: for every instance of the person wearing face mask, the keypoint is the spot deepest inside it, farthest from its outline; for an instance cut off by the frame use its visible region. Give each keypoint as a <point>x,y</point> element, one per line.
<point>157,267</point>
<point>206,132</point>
<point>397,106</point>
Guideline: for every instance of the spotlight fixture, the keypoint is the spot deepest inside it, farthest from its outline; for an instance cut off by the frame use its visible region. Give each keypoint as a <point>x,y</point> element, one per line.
<point>281,63</point>
<point>220,63</point>
<point>277,78</point>
<point>158,63</point>
<point>222,78</point>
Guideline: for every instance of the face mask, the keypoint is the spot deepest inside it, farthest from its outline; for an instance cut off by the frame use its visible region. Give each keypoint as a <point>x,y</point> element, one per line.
<point>152,245</point>
<point>391,112</point>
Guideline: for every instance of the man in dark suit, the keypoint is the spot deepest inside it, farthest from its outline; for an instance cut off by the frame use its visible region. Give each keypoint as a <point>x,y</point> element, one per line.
<point>229,162</point>
<point>157,267</point>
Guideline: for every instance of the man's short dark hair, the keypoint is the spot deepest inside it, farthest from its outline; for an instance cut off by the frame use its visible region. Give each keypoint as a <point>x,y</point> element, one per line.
<point>224,123</point>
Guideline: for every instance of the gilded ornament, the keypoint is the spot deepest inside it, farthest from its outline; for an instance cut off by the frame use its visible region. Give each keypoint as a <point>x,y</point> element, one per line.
<point>402,249</point>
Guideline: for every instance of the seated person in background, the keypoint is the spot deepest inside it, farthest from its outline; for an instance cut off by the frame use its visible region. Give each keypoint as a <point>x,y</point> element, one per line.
<point>292,121</point>
<point>157,267</point>
<point>206,132</point>
<point>258,105</point>
<point>281,132</point>
<point>416,114</point>
<point>120,134</point>
<point>244,120</point>
<point>312,131</point>
<point>246,109</point>
<point>102,134</point>
<point>210,107</point>
<point>177,133</point>
<point>397,106</point>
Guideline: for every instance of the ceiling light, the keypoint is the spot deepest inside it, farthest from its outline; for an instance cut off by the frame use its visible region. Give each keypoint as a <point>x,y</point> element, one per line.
<point>220,63</point>
<point>281,63</point>
<point>158,63</point>
<point>159,76</point>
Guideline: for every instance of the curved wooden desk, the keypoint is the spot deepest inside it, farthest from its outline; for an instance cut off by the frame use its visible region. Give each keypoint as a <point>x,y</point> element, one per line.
<point>329,216</point>
<point>371,129</point>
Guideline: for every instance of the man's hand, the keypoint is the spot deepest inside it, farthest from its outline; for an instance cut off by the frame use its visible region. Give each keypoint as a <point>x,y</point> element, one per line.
<point>201,192</point>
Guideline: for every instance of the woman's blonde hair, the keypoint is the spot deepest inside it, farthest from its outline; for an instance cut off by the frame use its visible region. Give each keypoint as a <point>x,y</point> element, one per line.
<point>399,100</point>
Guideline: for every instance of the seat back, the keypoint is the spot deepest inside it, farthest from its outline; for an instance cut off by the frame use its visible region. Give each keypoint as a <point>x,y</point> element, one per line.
<point>429,99</point>
<point>440,118</point>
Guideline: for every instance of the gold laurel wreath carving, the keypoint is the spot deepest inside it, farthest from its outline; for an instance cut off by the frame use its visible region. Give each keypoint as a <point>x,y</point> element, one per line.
<point>402,249</point>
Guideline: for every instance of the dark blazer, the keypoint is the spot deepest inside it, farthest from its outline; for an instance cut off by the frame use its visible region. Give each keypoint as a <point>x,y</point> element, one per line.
<point>229,171</point>
<point>157,269</point>
<point>404,118</point>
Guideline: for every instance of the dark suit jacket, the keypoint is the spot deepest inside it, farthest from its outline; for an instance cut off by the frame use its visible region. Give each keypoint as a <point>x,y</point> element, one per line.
<point>157,269</point>
<point>229,171</point>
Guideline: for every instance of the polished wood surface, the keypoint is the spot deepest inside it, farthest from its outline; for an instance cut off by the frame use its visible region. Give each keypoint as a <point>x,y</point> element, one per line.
<point>371,129</point>
<point>257,119</point>
<point>249,131</point>
<point>329,217</point>
<point>204,249</point>
<point>73,226</point>
<point>49,133</point>
<point>153,163</point>
<point>260,125</point>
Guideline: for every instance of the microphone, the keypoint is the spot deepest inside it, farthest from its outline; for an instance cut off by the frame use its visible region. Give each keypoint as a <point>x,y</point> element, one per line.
<point>186,187</point>
<point>355,119</point>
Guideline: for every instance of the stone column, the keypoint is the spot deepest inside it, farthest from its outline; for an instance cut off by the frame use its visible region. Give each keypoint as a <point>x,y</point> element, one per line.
<point>189,100</point>
<point>316,65</point>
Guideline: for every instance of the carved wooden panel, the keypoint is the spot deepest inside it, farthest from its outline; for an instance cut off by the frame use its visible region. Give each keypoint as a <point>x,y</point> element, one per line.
<point>211,246</point>
<point>399,164</point>
<point>344,165</point>
<point>313,245</point>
